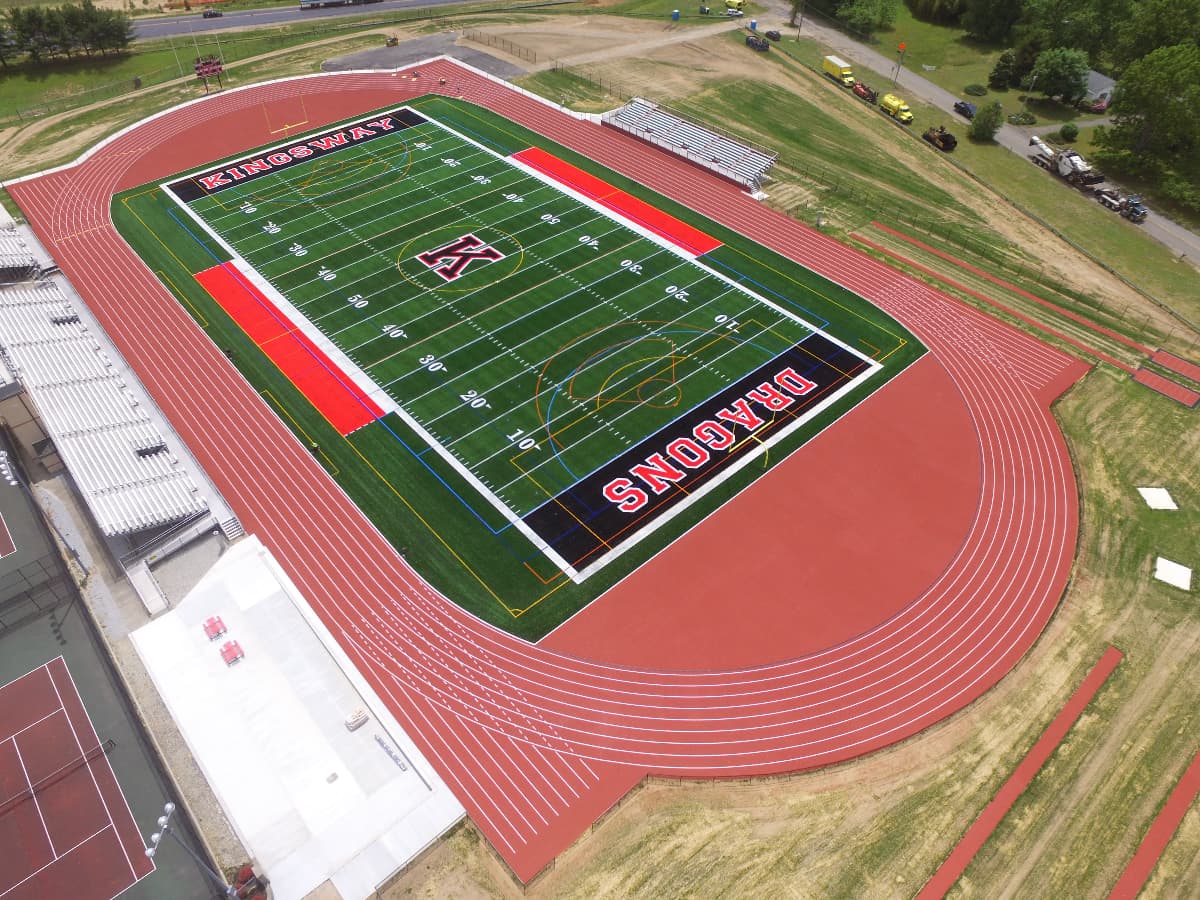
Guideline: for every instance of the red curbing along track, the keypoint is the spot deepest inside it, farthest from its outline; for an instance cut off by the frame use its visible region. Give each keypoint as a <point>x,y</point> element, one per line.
<point>1142,864</point>
<point>537,743</point>
<point>981,829</point>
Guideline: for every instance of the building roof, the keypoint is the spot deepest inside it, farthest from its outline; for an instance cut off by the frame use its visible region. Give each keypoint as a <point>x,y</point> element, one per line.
<point>1099,85</point>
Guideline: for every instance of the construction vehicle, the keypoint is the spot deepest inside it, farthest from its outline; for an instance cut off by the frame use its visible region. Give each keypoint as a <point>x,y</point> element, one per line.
<point>1127,206</point>
<point>737,5</point>
<point>896,108</point>
<point>867,93</point>
<point>940,138</point>
<point>839,70</point>
<point>1067,164</point>
<point>761,44</point>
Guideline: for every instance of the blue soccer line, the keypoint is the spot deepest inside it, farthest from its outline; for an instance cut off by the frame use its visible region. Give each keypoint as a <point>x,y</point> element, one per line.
<point>742,277</point>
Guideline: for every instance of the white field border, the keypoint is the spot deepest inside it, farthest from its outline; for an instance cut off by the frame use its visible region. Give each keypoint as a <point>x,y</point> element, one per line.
<point>298,320</point>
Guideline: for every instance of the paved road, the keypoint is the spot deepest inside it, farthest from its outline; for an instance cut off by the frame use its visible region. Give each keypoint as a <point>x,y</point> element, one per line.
<point>173,26</point>
<point>1176,238</point>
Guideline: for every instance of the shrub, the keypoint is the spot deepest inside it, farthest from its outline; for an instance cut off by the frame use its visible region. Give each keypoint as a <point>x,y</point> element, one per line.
<point>975,90</point>
<point>1069,131</point>
<point>986,122</point>
<point>1024,117</point>
<point>1005,71</point>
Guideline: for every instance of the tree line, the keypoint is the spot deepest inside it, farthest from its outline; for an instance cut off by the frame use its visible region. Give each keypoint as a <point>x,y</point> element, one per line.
<point>47,33</point>
<point>1149,46</point>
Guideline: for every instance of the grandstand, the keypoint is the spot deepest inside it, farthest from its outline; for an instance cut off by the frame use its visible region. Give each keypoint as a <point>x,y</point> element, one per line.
<point>114,451</point>
<point>17,261</point>
<point>729,157</point>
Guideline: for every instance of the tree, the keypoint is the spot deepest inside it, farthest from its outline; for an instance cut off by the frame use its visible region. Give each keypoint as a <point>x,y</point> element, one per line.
<point>867,16</point>
<point>1154,111</point>
<point>1004,73</point>
<point>8,45</point>
<point>991,20</point>
<point>987,122</point>
<point>940,11</point>
<point>1152,24</point>
<point>1061,72</point>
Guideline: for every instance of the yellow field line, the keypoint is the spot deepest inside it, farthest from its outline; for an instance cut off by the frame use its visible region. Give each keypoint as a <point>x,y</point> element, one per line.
<point>182,296</point>
<point>433,531</point>
<point>329,463</point>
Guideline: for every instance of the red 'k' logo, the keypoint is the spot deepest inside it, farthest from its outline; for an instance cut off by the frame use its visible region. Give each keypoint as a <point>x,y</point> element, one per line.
<point>451,260</point>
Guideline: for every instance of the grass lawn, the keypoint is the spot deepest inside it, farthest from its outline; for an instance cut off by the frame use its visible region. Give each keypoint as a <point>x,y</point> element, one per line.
<point>946,56</point>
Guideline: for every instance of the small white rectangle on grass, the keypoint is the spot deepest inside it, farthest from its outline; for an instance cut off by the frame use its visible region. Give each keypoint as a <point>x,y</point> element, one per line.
<point>1157,498</point>
<point>1173,573</point>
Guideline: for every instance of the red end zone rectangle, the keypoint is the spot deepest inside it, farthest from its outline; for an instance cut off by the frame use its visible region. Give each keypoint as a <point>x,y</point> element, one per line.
<point>327,387</point>
<point>681,234</point>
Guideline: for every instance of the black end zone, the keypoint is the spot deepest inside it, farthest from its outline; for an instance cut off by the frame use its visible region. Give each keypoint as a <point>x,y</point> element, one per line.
<point>586,521</point>
<point>213,181</point>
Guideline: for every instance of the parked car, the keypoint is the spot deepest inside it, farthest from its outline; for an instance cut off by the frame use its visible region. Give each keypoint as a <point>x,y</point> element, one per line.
<point>212,14</point>
<point>774,35</point>
<point>964,109</point>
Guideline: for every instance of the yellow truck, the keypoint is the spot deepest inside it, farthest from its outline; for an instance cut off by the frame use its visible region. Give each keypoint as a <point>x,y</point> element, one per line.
<point>839,70</point>
<point>896,108</point>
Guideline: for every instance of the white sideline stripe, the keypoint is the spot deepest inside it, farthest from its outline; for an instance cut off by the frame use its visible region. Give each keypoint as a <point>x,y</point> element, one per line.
<point>33,797</point>
<point>373,389</point>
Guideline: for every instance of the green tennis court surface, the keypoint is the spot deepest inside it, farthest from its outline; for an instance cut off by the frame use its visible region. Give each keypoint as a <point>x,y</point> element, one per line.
<point>570,367</point>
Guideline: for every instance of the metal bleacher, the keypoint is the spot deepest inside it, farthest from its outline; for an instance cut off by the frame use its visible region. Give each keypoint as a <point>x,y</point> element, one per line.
<point>17,261</point>
<point>115,453</point>
<point>739,161</point>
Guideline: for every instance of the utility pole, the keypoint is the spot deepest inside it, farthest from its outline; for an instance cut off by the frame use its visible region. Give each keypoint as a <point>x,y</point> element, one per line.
<point>164,823</point>
<point>899,62</point>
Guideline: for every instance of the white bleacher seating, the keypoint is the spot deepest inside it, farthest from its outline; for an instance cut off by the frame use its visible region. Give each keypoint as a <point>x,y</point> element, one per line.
<point>17,262</point>
<point>734,159</point>
<point>96,423</point>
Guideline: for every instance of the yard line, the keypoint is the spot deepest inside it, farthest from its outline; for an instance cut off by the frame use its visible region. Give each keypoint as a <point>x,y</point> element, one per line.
<point>590,435</point>
<point>580,405</point>
<point>466,295</point>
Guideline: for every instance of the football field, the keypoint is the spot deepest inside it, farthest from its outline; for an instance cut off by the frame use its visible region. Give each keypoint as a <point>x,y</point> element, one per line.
<point>570,366</point>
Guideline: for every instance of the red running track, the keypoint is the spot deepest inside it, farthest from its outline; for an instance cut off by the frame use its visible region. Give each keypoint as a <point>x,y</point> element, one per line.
<point>537,743</point>
<point>65,827</point>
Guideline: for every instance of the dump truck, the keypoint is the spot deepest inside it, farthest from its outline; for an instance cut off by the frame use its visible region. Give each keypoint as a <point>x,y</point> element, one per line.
<point>896,108</point>
<point>839,70</point>
<point>867,93</point>
<point>1066,164</point>
<point>940,138</point>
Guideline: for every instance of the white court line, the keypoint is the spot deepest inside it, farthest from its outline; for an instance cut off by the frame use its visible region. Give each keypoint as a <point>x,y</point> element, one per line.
<point>5,533</point>
<point>65,854</point>
<point>88,764</point>
<point>30,725</point>
<point>33,797</point>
